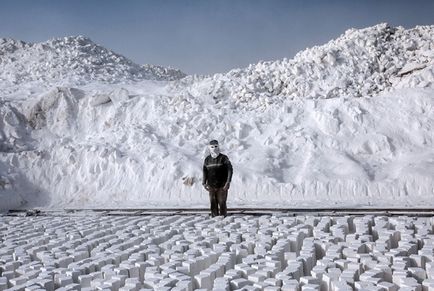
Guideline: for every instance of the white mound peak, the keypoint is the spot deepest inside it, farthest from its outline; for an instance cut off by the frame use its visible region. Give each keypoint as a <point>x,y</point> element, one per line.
<point>76,59</point>
<point>359,63</point>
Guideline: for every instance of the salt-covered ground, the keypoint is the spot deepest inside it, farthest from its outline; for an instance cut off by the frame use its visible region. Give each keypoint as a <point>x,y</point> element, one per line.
<point>345,124</point>
<point>85,251</point>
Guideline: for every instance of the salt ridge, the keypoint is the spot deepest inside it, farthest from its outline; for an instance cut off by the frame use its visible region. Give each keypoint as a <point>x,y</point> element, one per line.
<point>73,61</point>
<point>141,144</point>
<point>359,63</point>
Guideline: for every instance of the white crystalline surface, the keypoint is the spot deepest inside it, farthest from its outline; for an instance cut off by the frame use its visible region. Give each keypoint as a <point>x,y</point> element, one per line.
<point>345,124</point>
<point>69,61</point>
<point>86,251</point>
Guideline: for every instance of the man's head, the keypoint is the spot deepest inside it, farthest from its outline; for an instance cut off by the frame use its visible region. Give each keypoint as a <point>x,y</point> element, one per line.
<point>214,148</point>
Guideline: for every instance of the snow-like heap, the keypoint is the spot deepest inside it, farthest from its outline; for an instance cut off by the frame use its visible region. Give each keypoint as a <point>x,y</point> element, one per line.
<point>293,129</point>
<point>76,59</point>
<point>359,63</point>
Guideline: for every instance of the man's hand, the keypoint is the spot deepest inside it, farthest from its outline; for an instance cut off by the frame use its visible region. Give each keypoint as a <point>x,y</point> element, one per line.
<point>206,187</point>
<point>226,186</point>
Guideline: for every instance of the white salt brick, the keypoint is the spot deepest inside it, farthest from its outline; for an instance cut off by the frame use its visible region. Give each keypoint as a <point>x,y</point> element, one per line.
<point>203,281</point>
<point>85,280</point>
<point>307,280</point>
<point>18,281</point>
<point>410,282</point>
<point>255,277</point>
<point>428,285</point>
<point>418,273</point>
<point>388,286</point>
<point>239,283</point>
<point>3,283</point>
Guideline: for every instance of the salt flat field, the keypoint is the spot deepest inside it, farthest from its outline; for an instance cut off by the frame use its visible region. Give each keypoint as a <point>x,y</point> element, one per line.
<point>90,251</point>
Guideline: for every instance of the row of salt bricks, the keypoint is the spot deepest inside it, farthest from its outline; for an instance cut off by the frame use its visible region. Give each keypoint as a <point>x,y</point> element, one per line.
<point>305,256</point>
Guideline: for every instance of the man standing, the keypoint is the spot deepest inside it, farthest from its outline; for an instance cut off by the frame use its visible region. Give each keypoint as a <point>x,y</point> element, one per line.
<point>217,175</point>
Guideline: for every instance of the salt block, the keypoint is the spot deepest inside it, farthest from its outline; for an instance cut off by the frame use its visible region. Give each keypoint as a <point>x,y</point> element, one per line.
<point>74,275</point>
<point>95,283</point>
<point>179,276</point>
<point>232,274</point>
<point>191,266</point>
<point>341,286</point>
<point>318,271</point>
<point>72,286</point>
<point>202,281</point>
<point>273,282</point>
<point>211,273</point>
<point>328,278</point>
<point>245,270</point>
<point>18,281</point>
<point>410,282</point>
<point>294,269</point>
<point>398,275</point>
<point>167,282</point>
<point>122,279</point>
<point>3,283</point>
<point>259,285</point>
<point>272,288</point>
<point>142,268</point>
<point>186,285</point>
<point>271,272</point>
<point>309,280</point>
<point>418,273</point>
<point>85,280</point>
<point>266,273</point>
<point>239,283</point>
<point>151,283</point>
<point>334,271</point>
<point>219,282</point>
<point>64,262</point>
<point>274,264</point>
<point>388,286</point>
<point>364,285</point>
<point>133,271</point>
<point>255,277</point>
<point>372,274</point>
<point>417,261</point>
<point>291,285</point>
<point>290,256</point>
<point>428,285</point>
<point>219,268</point>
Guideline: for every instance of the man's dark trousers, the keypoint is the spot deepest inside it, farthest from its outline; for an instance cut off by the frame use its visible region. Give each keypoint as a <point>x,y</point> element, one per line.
<point>217,197</point>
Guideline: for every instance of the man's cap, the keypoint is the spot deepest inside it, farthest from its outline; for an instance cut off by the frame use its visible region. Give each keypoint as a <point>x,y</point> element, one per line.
<point>213,142</point>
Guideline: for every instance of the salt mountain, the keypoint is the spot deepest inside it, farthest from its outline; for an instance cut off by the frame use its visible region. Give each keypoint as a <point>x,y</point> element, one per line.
<point>71,59</point>
<point>348,123</point>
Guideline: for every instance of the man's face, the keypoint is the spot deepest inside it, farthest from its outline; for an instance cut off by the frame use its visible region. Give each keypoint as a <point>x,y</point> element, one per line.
<point>214,150</point>
<point>214,147</point>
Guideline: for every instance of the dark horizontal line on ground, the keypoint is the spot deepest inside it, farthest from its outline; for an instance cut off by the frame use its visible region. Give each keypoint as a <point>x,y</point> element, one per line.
<point>426,212</point>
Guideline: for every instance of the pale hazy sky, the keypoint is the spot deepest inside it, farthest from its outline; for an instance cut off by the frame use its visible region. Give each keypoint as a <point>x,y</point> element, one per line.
<point>204,36</point>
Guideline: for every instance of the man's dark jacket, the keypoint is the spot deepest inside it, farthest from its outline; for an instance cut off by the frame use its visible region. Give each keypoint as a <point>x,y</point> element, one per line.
<point>217,171</point>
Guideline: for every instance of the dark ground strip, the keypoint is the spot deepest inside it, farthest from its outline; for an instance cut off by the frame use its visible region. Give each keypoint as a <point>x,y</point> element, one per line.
<point>419,212</point>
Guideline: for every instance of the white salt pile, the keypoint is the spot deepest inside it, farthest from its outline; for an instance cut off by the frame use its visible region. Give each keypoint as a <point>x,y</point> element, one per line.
<point>349,123</point>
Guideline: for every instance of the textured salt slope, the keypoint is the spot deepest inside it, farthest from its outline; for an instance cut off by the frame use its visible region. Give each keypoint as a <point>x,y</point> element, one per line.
<point>68,61</point>
<point>359,63</point>
<point>141,144</point>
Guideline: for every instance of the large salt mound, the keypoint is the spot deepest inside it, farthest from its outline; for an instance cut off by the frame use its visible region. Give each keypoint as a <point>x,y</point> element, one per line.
<point>142,144</point>
<point>74,59</point>
<point>359,63</point>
